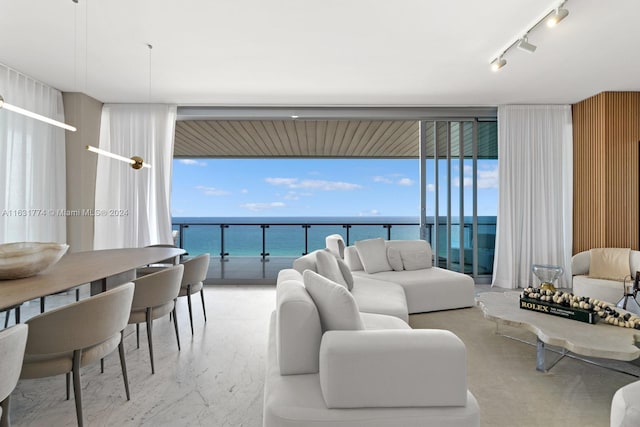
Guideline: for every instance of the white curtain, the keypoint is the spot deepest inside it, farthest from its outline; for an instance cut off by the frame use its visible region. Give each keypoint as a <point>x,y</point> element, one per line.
<point>535,163</point>
<point>133,206</point>
<point>32,163</point>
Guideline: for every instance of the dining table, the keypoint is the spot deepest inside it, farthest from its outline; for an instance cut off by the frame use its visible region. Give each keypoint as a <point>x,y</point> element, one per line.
<point>98,267</point>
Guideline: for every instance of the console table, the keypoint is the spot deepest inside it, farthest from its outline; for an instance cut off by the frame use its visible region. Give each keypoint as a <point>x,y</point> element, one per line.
<point>599,340</point>
<point>79,268</point>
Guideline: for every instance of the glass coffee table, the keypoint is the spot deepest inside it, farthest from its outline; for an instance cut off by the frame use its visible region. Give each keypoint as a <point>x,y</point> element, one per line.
<point>572,337</point>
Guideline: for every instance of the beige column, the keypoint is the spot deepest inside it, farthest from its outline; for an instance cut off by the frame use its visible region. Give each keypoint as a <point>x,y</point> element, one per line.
<point>83,112</point>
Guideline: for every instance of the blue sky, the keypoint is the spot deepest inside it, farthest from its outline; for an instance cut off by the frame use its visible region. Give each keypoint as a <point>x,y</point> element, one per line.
<point>318,187</point>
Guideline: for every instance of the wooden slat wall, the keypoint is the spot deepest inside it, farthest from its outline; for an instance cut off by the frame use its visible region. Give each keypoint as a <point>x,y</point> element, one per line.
<point>606,134</point>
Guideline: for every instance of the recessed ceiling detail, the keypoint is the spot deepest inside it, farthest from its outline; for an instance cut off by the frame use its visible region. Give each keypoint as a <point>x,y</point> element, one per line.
<point>297,138</point>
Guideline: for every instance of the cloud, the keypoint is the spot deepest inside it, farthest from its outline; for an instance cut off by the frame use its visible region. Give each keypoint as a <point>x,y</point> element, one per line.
<point>393,179</point>
<point>405,182</point>
<point>212,191</point>
<point>371,212</point>
<point>314,184</point>
<point>192,162</point>
<point>382,179</point>
<point>244,191</point>
<point>291,195</point>
<point>256,207</point>
<point>488,178</point>
<point>431,187</point>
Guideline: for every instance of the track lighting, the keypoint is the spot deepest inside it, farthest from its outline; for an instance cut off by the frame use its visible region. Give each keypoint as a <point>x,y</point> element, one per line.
<point>498,63</point>
<point>558,15</point>
<point>553,17</point>
<point>33,115</point>
<point>524,44</point>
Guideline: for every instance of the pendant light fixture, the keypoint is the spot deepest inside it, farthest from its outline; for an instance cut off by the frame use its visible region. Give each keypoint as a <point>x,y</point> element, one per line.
<point>136,162</point>
<point>5,105</point>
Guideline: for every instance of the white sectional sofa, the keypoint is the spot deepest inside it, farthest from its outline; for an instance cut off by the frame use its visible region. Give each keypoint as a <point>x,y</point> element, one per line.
<point>598,284</point>
<point>328,364</point>
<point>409,263</point>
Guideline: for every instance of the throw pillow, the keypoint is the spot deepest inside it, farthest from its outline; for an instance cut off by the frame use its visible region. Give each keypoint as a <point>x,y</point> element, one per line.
<point>327,266</point>
<point>337,307</point>
<point>609,263</point>
<point>415,259</point>
<point>335,244</point>
<point>373,254</point>
<point>395,260</point>
<point>346,273</point>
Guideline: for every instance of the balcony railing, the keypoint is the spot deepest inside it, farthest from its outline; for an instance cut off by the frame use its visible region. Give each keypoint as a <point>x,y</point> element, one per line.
<point>292,239</point>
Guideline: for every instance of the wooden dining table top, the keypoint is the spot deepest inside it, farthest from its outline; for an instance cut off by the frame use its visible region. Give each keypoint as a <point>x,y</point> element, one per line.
<point>79,268</point>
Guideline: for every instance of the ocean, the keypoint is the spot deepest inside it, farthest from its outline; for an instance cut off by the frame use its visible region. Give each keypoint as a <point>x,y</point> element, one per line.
<point>285,236</point>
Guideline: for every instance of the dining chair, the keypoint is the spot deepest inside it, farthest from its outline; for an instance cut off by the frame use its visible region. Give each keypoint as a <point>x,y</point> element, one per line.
<point>157,266</point>
<point>65,339</point>
<point>155,296</point>
<point>12,343</point>
<point>195,272</point>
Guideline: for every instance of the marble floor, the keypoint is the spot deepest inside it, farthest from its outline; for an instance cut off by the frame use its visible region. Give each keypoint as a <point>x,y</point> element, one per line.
<point>217,379</point>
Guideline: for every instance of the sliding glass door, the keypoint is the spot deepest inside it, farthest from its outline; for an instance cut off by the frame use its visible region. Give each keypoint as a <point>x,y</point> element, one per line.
<point>458,161</point>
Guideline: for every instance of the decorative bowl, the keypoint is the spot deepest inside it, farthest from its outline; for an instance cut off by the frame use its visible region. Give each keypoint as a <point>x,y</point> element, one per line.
<point>25,259</point>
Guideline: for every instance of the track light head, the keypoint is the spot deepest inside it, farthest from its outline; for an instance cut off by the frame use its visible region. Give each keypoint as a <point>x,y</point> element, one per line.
<point>498,63</point>
<point>558,15</point>
<point>524,44</point>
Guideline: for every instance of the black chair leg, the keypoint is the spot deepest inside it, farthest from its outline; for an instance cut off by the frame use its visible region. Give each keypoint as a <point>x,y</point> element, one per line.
<point>77,294</point>
<point>189,303</point>
<point>102,365</point>
<point>175,323</point>
<point>77,388</point>
<point>123,364</point>
<point>150,338</point>
<point>6,318</point>
<point>17,314</point>
<point>204,310</point>
<point>137,335</point>
<point>68,377</point>
<point>42,305</point>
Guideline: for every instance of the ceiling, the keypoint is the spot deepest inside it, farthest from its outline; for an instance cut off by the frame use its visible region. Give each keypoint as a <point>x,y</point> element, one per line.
<point>322,53</point>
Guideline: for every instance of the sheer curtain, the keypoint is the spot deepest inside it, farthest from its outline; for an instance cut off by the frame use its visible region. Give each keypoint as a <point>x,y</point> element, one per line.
<point>535,163</point>
<point>133,206</point>
<point>32,163</point>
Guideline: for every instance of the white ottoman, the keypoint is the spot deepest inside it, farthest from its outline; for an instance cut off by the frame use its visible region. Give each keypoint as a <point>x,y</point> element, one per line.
<point>625,406</point>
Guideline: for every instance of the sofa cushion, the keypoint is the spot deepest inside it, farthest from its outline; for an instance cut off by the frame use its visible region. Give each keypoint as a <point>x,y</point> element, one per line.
<point>415,259</point>
<point>338,310</point>
<point>327,266</point>
<point>375,322</point>
<point>352,258</point>
<point>298,330</point>
<point>430,289</point>
<point>306,262</point>
<point>609,263</point>
<point>377,296</point>
<point>395,260</point>
<point>373,254</point>
<point>415,254</point>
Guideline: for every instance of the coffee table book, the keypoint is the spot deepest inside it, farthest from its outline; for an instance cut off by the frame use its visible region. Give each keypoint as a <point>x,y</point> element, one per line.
<point>579,314</point>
